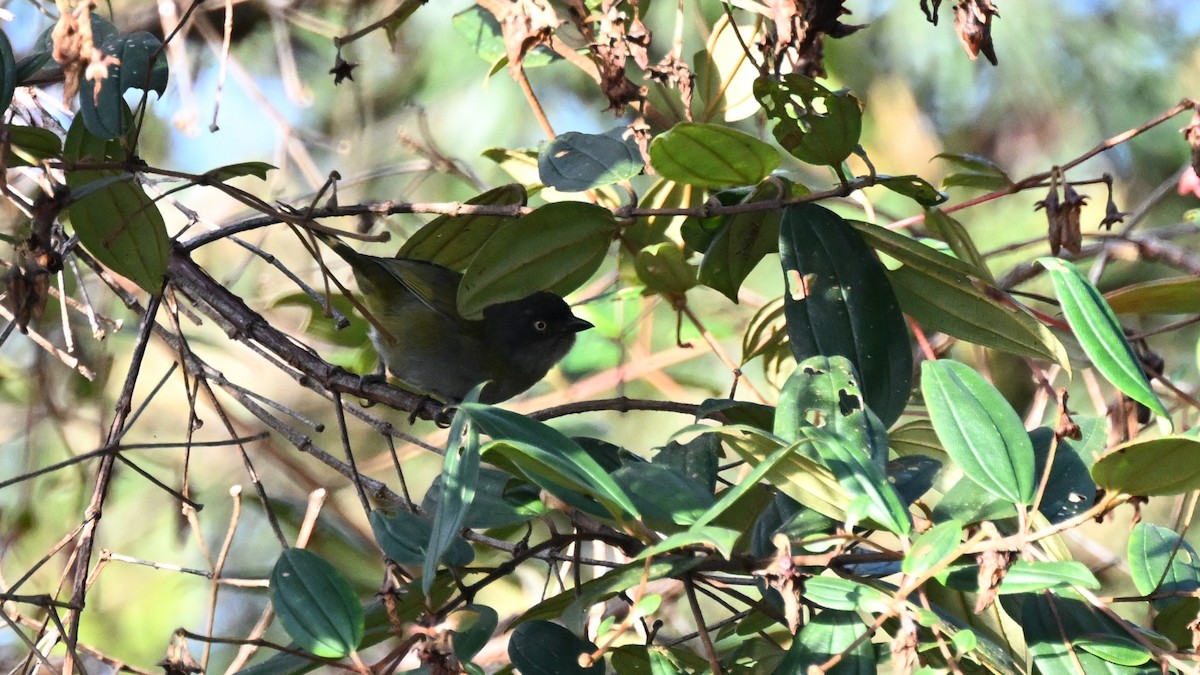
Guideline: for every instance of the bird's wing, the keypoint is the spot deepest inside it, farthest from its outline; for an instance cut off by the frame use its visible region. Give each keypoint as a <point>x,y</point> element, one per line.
<point>434,286</point>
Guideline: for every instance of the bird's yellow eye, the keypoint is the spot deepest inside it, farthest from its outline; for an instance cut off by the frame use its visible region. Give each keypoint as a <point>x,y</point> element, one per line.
<point>540,326</point>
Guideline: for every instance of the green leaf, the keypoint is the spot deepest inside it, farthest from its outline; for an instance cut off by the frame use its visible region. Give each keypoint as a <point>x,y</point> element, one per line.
<point>547,457</point>
<point>839,302</point>
<point>613,582</point>
<point>315,604</point>
<point>117,222</point>
<point>1161,562</point>
<point>29,145</point>
<point>1161,466</point>
<point>1099,333</point>
<point>949,230</point>
<point>453,241</point>
<point>544,648</point>
<point>720,538</point>
<point>828,634</point>
<point>556,248</point>
<point>794,473</point>
<point>914,187</point>
<point>932,548</point>
<point>823,392</point>
<point>742,240</point>
<point>872,496</point>
<point>977,172</point>
<point>664,269</point>
<point>473,628</point>
<point>1056,629</point>
<point>969,503</point>
<point>846,595</point>
<point>946,294</point>
<point>501,500</point>
<point>460,473</point>
<point>100,100</point>
<point>698,459</point>
<point>725,73</point>
<point>574,162</point>
<point>1177,295</point>
<point>738,491</point>
<point>979,430</point>
<point>404,539</point>
<point>663,495</point>
<point>1070,489</point>
<point>1116,649</point>
<point>816,125</point>
<point>709,155</point>
<point>483,33</point>
<point>8,72</point>
<point>1024,577</point>
<point>231,171</point>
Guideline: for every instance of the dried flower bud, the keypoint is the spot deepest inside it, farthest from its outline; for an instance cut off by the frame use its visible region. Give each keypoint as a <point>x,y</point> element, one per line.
<point>973,22</point>
<point>1112,215</point>
<point>1063,218</point>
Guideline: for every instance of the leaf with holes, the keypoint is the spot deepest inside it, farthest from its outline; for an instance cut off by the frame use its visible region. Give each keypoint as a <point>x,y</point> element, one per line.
<point>839,303</point>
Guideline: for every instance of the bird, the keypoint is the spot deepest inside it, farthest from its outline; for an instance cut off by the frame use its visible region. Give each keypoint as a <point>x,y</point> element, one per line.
<point>426,344</point>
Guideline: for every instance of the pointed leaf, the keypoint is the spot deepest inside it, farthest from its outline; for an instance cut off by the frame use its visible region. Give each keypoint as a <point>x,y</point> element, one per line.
<point>116,222</point>
<point>556,248</point>
<point>547,456</point>
<point>460,473</point>
<point>840,302</point>
<point>1099,333</point>
<point>29,145</point>
<point>742,240</point>
<point>949,230</point>
<point>710,155</point>
<point>979,430</point>
<point>914,187</point>
<point>1178,295</point>
<point>932,548</point>
<point>1160,466</point>
<point>863,481</point>
<point>945,293</point>
<point>315,604</point>
<point>453,241</point>
<point>8,72</point>
<point>404,539</point>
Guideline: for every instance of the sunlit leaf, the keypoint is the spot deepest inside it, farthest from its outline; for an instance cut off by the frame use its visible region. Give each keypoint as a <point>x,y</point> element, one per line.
<point>709,155</point>
<point>556,248</point>
<point>1100,334</point>
<point>979,429</point>
<point>1161,562</point>
<point>453,241</point>
<point>1178,295</point>
<point>816,125</point>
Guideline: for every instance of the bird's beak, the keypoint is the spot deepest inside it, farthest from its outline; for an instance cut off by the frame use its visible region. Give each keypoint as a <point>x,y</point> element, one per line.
<point>576,325</point>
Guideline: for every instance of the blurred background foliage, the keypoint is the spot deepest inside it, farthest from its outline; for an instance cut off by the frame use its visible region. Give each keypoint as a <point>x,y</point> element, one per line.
<point>413,125</point>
